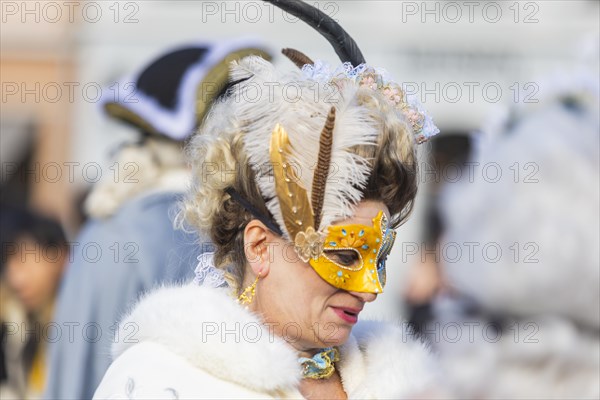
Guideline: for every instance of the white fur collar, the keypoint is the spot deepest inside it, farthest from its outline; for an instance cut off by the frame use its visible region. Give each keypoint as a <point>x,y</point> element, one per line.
<point>210,330</point>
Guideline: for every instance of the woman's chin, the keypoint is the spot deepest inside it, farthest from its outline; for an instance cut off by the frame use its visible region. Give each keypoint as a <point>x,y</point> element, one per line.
<point>332,334</point>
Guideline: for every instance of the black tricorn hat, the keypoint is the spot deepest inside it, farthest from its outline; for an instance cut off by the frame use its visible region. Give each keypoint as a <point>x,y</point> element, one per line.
<point>172,94</point>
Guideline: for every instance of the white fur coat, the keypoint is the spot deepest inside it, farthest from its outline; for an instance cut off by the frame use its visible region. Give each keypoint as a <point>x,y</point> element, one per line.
<point>197,342</point>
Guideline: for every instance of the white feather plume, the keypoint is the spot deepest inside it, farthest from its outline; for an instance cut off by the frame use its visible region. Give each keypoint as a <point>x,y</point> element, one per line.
<point>301,106</point>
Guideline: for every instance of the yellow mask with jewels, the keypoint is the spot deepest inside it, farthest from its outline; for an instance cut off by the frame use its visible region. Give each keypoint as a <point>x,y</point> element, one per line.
<point>349,257</point>
<point>354,256</point>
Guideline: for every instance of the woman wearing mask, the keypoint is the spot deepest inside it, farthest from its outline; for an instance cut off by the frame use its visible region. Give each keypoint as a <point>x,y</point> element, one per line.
<point>300,198</point>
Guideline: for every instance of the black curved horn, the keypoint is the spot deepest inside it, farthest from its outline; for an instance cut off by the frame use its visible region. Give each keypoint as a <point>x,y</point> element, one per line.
<point>344,46</point>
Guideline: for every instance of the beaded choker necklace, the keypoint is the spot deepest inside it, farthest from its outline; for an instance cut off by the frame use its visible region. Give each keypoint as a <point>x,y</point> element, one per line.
<point>321,365</point>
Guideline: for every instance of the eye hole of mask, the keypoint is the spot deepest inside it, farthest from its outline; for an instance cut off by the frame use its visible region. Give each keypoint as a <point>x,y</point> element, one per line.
<point>347,258</point>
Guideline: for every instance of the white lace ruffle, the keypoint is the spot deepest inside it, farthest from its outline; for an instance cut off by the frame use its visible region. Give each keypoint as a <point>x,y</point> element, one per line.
<point>207,274</point>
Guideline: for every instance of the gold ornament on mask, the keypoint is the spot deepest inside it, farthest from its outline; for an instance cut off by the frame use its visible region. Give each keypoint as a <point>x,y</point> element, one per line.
<point>293,199</point>
<point>308,244</point>
<point>301,216</point>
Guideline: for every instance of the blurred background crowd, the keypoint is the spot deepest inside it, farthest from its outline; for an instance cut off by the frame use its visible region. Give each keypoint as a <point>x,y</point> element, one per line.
<point>498,268</point>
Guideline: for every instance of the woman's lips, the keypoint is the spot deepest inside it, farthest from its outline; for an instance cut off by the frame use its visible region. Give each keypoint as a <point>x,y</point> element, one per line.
<point>349,315</point>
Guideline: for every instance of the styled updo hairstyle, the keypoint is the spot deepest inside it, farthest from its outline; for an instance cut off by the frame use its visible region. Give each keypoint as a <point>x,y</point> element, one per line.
<point>219,155</point>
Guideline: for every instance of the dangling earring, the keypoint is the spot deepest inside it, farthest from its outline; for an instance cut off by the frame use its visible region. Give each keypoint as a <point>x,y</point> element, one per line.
<point>248,294</point>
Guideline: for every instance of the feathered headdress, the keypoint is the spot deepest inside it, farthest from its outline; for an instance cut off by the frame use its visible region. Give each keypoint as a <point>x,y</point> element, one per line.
<point>315,142</point>
<point>300,131</point>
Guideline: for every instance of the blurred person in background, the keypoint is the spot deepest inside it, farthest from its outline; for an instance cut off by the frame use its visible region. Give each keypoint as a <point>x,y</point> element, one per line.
<point>130,216</point>
<point>530,315</point>
<point>34,253</point>
<point>449,153</point>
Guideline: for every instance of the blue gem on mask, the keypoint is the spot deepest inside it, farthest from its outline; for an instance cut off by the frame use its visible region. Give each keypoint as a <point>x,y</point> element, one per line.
<point>333,244</point>
<point>365,246</point>
<point>344,232</point>
<point>377,240</point>
<point>339,273</point>
<point>361,233</point>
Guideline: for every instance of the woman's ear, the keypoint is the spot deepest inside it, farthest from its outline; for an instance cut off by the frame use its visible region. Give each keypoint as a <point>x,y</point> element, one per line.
<point>256,247</point>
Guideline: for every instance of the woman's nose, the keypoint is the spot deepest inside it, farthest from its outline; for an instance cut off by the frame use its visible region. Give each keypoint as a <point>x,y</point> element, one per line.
<point>365,297</point>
